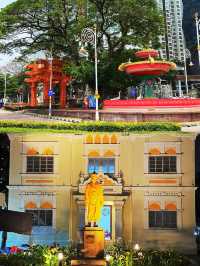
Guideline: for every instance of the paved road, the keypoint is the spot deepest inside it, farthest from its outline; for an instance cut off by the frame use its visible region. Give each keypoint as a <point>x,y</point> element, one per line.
<point>192,128</point>
<point>20,116</point>
<point>8,115</point>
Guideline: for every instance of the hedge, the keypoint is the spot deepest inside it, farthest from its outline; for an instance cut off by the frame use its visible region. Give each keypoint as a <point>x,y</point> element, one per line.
<point>91,126</point>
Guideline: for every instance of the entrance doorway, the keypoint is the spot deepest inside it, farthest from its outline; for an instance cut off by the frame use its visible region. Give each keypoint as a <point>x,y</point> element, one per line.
<point>106,221</point>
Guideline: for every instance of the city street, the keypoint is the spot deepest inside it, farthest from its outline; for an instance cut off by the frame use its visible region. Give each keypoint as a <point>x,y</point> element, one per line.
<point>20,116</point>
<point>8,115</point>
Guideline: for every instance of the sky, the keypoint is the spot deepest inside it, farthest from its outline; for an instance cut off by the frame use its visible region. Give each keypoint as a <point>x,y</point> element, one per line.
<point>4,3</point>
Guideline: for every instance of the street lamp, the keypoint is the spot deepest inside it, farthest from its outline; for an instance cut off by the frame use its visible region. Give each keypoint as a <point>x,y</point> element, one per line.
<point>90,35</point>
<point>50,92</point>
<point>60,258</point>
<point>197,21</point>
<point>187,55</point>
<point>5,88</point>
<point>136,247</point>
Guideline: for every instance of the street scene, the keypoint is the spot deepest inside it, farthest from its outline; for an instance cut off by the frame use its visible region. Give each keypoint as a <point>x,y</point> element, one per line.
<point>99,132</point>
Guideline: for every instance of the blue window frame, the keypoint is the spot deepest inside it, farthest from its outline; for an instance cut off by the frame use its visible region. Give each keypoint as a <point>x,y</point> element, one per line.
<point>107,165</point>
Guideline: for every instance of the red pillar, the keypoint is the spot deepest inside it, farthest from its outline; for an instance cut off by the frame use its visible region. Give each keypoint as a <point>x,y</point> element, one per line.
<point>45,92</point>
<point>33,94</point>
<point>63,97</point>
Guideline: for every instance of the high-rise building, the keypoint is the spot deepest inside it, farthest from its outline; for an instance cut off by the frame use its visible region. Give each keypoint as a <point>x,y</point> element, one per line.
<point>189,27</point>
<point>173,39</point>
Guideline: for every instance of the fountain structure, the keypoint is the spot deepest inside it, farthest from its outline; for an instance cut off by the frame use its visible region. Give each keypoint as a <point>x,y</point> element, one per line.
<point>148,71</point>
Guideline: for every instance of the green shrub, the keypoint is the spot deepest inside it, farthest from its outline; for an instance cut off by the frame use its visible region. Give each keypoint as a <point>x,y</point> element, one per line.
<point>38,256</point>
<point>92,126</point>
<point>120,255</point>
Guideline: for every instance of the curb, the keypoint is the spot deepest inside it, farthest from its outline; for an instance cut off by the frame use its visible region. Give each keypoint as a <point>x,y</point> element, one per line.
<point>56,118</point>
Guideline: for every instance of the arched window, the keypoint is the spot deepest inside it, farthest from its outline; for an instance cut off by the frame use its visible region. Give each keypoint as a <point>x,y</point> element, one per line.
<point>46,205</point>
<point>106,139</point>
<point>94,153</point>
<point>154,151</point>
<point>171,206</point>
<point>42,216</point>
<point>113,139</point>
<point>89,139</point>
<point>154,206</point>
<point>109,153</point>
<point>162,218</point>
<point>30,205</point>
<point>47,151</point>
<point>32,151</point>
<point>170,151</point>
<point>97,139</point>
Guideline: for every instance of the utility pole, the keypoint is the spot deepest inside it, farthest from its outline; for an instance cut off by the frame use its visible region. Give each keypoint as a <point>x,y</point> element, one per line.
<point>50,85</point>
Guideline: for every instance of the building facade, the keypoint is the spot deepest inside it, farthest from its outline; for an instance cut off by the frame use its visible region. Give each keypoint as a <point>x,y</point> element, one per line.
<point>172,39</point>
<point>148,179</point>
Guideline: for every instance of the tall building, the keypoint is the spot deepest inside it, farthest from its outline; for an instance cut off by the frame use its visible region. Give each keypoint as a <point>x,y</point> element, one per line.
<point>148,180</point>
<point>173,39</point>
<point>190,8</point>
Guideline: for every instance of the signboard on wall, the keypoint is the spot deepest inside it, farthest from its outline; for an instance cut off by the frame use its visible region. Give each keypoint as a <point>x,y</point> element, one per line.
<point>16,222</point>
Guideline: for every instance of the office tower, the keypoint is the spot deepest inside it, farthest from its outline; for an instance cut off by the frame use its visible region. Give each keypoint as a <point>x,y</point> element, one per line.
<point>172,39</point>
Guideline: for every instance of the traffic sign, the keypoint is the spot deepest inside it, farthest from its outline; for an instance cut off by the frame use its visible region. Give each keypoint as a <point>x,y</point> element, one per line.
<point>51,93</point>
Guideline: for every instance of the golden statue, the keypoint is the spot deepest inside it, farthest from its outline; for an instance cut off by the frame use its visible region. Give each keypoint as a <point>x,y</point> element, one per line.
<point>94,200</point>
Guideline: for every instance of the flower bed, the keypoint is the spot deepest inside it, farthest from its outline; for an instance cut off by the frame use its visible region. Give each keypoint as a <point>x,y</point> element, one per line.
<point>117,255</point>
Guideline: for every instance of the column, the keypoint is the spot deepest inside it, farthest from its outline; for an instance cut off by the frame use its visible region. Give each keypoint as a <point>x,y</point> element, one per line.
<point>33,94</point>
<point>45,92</point>
<point>179,88</point>
<point>118,219</point>
<point>81,219</point>
<point>81,215</point>
<point>63,84</point>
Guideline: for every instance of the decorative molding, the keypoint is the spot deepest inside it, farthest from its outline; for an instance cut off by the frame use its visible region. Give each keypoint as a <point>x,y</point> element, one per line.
<point>112,185</point>
<point>163,194</point>
<point>39,181</point>
<point>163,181</point>
<point>40,187</point>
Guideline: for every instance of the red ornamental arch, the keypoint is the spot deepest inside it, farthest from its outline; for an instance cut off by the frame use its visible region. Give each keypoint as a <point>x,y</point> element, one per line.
<point>40,72</point>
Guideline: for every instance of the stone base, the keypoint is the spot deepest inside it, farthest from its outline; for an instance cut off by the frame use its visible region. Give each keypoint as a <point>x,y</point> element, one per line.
<point>93,241</point>
<point>88,262</point>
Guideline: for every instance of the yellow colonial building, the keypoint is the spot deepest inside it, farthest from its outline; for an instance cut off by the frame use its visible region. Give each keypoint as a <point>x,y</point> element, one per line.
<point>148,179</point>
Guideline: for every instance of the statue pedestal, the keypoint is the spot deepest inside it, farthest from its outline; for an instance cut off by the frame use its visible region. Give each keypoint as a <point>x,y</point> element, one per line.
<point>93,248</point>
<point>93,242</point>
<point>88,262</point>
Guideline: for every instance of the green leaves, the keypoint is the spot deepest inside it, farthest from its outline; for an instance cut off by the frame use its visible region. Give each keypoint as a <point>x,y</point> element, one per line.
<point>29,27</point>
<point>123,127</point>
<point>120,255</point>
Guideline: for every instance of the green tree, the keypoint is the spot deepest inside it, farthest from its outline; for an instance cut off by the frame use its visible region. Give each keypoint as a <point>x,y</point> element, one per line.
<point>34,26</point>
<point>14,82</point>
